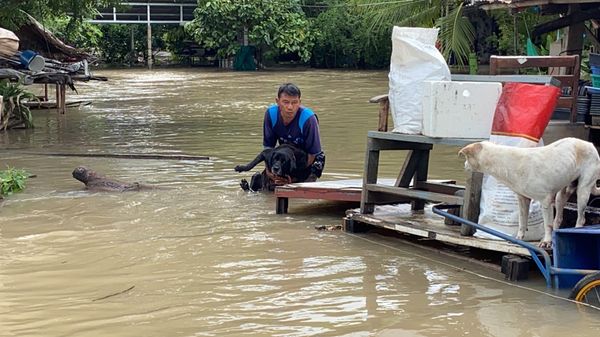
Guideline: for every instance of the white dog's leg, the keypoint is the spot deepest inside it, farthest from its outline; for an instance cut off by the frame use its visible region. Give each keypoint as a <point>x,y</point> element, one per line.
<point>523,215</point>
<point>561,200</point>
<point>583,195</point>
<point>547,213</point>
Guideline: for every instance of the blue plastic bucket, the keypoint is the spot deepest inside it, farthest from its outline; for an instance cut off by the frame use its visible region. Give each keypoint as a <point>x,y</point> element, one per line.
<point>35,62</point>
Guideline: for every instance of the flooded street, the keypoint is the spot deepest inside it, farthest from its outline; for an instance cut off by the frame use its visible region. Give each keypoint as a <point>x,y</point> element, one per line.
<point>200,257</point>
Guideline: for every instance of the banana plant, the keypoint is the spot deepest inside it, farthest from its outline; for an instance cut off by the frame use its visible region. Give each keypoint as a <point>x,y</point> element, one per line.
<point>14,111</point>
<point>456,31</point>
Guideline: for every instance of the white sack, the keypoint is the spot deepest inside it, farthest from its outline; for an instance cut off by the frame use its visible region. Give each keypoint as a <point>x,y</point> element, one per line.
<point>414,59</point>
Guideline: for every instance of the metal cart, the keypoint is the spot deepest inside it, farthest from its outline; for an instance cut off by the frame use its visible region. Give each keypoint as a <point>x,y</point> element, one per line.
<point>575,262</point>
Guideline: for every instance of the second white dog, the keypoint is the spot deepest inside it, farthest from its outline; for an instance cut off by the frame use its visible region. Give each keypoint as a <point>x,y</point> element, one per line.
<point>549,173</point>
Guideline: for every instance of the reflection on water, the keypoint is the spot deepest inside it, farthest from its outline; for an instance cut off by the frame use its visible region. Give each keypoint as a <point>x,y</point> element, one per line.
<point>202,258</point>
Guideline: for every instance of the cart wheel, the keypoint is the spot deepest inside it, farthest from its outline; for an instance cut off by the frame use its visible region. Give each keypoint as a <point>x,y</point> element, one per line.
<point>587,290</point>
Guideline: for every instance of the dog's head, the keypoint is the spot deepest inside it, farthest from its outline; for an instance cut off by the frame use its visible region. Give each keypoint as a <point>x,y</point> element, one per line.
<point>471,153</point>
<point>83,174</point>
<point>282,162</point>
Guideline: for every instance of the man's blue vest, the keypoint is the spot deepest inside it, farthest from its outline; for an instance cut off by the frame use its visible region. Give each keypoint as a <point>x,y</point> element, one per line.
<point>305,114</point>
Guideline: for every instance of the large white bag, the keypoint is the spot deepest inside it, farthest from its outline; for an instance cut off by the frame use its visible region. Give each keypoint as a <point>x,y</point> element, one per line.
<point>414,59</point>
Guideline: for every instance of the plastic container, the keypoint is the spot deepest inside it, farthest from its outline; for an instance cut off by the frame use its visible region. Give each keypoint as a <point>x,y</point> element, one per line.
<point>32,61</point>
<point>595,80</point>
<point>575,248</point>
<point>594,59</point>
<point>592,90</point>
<point>455,109</point>
<point>595,70</point>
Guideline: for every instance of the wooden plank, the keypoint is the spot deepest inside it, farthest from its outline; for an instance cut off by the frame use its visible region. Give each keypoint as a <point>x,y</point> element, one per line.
<point>414,194</point>
<point>436,230</point>
<point>420,140</point>
<point>390,144</point>
<point>379,98</point>
<point>445,188</point>
<point>516,62</point>
<point>534,79</point>
<point>408,169</point>
<point>316,193</point>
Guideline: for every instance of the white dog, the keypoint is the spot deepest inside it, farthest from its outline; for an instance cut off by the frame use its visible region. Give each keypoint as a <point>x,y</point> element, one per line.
<point>549,173</point>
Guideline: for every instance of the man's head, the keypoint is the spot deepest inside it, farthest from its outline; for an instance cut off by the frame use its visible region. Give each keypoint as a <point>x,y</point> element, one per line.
<point>288,100</point>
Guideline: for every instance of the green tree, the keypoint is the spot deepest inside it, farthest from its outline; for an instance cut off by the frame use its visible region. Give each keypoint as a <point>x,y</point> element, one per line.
<point>343,41</point>
<point>83,35</point>
<point>115,47</point>
<point>456,32</point>
<point>11,16</point>
<point>279,24</point>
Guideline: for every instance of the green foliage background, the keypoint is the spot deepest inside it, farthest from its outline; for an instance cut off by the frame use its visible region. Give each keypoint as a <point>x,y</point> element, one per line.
<point>322,33</point>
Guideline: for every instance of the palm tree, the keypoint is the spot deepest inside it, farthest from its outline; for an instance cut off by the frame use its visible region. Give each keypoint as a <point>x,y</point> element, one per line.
<point>456,32</point>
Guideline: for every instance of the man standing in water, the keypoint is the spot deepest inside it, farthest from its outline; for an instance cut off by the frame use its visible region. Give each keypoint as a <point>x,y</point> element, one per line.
<point>288,122</point>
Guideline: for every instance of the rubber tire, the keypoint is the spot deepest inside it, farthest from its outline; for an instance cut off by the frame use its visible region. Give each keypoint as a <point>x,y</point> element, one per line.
<point>584,286</point>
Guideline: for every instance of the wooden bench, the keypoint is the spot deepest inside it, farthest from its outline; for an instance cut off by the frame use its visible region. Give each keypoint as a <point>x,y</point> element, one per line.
<point>563,68</point>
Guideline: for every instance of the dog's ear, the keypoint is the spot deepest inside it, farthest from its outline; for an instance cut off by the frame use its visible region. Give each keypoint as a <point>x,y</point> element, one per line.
<point>267,154</point>
<point>292,163</point>
<point>470,150</point>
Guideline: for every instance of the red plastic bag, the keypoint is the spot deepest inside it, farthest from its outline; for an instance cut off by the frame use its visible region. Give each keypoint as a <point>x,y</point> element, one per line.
<point>524,110</point>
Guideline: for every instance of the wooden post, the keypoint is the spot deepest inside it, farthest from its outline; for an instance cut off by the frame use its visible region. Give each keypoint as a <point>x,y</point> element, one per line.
<point>470,209</point>
<point>282,205</point>
<point>133,53</point>
<point>61,94</point>
<point>575,33</point>
<point>420,176</point>
<point>384,111</point>
<point>369,176</point>
<point>149,38</point>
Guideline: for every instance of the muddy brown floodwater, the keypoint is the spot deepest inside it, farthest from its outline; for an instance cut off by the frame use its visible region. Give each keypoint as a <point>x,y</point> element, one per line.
<point>203,258</point>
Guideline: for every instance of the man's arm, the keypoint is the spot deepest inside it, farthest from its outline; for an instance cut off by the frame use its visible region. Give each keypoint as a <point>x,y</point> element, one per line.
<point>312,139</point>
<point>269,137</point>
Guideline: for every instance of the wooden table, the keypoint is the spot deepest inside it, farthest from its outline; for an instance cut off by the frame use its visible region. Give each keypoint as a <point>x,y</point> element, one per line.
<point>416,166</point>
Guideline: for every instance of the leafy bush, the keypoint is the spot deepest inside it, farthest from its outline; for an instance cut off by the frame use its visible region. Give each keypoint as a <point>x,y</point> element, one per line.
<point>14,112</point>
<point>343,40</point>
<point>12,180</point>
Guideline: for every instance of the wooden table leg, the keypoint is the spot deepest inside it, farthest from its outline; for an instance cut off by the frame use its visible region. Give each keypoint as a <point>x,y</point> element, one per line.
<point>282,205</point>
<point>369,176</point>
<point>470,209</point>
<point>421,176</point>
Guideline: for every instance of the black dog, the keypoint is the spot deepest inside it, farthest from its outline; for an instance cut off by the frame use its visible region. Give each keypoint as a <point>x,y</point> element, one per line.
<point>285,161</point>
